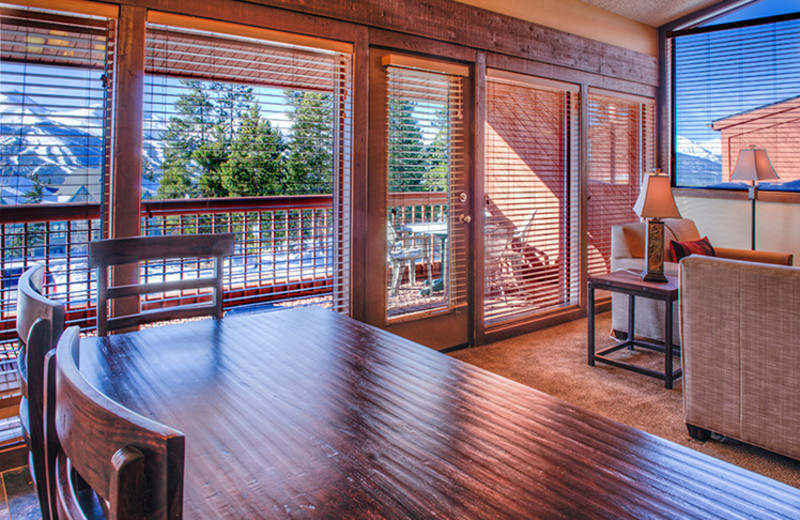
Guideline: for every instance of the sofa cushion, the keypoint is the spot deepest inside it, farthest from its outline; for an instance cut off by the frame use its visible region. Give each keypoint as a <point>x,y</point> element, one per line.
<point>691,247</point>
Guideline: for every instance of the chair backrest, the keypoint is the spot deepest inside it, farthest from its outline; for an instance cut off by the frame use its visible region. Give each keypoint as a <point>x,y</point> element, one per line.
<point>96,448</point>
<point>521,234</point>
<point>40,322</point>
<point>106,254</point>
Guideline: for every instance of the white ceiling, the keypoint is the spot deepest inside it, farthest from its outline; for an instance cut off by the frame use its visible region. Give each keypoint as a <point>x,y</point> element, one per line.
<point>652,12</point>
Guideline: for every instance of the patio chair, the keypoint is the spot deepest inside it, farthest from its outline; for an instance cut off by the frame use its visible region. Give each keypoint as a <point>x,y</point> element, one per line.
<point>101,456</point>
<point>105,254</point>
<point>40,322</point>
<point>404,251</point>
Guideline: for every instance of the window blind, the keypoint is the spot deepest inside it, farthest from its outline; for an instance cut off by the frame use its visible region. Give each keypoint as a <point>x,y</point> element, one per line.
<point>736,86</point>
<point>426,177</point>
<point>621,144</point>
<point>264,122</point>
<point>55,80</point>
<point>532,195</point>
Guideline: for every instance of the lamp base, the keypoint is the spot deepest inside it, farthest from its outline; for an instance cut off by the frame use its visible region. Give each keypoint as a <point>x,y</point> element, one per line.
<point>654,252</point>
<point>654,277</point>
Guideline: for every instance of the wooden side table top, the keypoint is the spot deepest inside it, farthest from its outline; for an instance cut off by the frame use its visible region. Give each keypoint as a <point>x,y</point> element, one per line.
<point>633,283</point>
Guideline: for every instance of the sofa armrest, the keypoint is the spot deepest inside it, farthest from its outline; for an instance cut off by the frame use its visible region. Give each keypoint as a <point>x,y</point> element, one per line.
<point>764,257</point>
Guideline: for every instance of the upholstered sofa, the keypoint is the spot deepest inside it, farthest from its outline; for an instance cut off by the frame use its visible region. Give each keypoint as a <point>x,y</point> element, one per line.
<point>740,335</point>
<point>627,253</point>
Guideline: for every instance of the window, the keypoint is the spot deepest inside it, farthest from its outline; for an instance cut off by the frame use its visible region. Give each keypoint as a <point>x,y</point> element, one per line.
<point>54,106</point>
<point>55,92</point>
<point>532,180</point>
<point>259,117</point>
<point>736,85</point>
<point>425,170</point>
<point>621,148</point>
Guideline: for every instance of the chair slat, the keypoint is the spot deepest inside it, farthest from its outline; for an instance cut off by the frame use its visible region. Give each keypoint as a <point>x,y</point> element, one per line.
<point>120,251</point>
<point>121,291</point>
<point>104,255</point>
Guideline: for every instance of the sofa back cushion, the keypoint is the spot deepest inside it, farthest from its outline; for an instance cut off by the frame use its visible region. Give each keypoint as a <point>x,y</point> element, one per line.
<point>628,240</point>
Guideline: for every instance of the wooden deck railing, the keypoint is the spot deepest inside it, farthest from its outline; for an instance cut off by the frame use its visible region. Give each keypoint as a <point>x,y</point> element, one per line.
<point>284,246</point>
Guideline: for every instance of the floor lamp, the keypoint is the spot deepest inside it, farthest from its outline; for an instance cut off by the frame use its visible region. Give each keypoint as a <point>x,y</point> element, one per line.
<point>753,165</point>
<point>654,203</point>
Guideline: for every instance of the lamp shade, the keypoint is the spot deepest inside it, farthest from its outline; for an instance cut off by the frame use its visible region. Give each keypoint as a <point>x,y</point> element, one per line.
<point>655,198</point>
<point>753,164</point>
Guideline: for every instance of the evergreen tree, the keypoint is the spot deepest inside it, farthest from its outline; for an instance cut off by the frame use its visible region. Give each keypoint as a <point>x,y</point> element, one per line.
<point>185,133</point>
<point>310,157</point>
<point>256,165</point>
<point>437,154</point>
<point>36,194</point>
<point>199,137</point>
<point>407,163</point>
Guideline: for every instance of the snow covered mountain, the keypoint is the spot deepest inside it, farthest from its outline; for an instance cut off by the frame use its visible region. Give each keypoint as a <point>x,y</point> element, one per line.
<point>60,150</point>
<point>698,164</point>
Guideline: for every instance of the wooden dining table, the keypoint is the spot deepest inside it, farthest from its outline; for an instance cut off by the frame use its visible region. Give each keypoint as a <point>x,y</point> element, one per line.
<point>305,413</point>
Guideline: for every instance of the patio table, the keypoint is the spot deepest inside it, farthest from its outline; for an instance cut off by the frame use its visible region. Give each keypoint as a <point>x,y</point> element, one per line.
<point>436,230</point>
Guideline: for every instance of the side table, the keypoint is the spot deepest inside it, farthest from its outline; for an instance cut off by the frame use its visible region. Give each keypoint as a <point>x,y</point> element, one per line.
<point>632,284</point>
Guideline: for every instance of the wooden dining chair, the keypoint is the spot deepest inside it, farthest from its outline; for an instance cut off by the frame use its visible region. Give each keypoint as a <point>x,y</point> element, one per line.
<point>104,255</point>
<point>102,457</point>
<point>40,322</point>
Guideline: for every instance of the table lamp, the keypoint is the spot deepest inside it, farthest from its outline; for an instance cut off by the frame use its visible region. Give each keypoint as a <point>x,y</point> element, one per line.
<point>655,202</point>
<point>753,165</point>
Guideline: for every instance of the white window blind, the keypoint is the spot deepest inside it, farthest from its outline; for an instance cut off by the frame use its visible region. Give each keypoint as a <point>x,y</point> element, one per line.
<point>532,189</point>
<point>426,176</point>
<point>621,148</point>
<point>55,80</point>
<point>264,123</point>
<point>734,86</point>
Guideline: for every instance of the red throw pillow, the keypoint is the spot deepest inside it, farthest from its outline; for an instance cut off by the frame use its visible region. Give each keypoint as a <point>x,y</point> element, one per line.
<point>691,247</point>
<point>670,253</point>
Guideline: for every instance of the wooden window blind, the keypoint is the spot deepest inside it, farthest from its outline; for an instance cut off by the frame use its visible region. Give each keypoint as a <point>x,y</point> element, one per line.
<point>426,176</point>
<point>265,123</point>
<point>736,86</point>
<point>621,144</point>
<point>55,81</point>
<point>55,110</point>
<point>532,194</point>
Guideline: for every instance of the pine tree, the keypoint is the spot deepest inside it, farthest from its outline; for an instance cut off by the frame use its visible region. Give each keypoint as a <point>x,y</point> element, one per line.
<point>36,194</point>
<point>437,154</point>
<point>256,165</point>
<point>199,138</point>
<point>310,161</point>
<point>407,163</point>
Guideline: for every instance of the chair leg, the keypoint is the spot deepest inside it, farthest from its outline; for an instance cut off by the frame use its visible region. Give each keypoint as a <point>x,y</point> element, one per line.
<point>396,271</point>
<point>412,272</point>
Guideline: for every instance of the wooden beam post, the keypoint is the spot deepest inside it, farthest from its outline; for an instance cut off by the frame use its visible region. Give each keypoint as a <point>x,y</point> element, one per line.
<point>126,179</point>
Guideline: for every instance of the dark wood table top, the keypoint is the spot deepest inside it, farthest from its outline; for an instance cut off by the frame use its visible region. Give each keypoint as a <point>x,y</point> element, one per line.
<point>308,414</point>
<point>628,281</point>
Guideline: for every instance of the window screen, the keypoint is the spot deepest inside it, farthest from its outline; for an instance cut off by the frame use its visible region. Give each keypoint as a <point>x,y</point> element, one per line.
<point>259,131</point>
<point>532,179</point>
<point>621,148</point>
<point>425,179</point>
<point>736,86</point>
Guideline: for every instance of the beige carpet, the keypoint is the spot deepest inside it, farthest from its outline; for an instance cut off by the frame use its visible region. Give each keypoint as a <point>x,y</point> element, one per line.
<point>554,361</point>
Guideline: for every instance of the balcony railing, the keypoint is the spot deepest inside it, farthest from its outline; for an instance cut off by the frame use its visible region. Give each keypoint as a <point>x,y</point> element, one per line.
<point>284,247</point>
